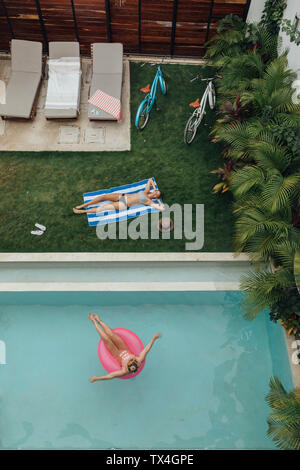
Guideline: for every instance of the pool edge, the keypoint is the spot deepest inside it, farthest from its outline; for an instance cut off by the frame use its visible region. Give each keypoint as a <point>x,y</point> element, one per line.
<point>120,257</point>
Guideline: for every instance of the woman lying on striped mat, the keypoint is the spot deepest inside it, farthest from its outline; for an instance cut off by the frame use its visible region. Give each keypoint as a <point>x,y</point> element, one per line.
<point>122,201</point>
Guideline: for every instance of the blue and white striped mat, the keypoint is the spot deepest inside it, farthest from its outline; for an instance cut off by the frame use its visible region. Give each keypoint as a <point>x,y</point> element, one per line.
<point>108,217</point>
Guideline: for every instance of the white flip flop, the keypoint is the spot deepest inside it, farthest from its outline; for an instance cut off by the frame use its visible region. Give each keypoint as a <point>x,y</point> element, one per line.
<point>40,227</point>
<point>36,232</point>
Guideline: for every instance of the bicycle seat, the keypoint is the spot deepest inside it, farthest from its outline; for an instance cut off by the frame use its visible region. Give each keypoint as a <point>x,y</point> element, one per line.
<point>195,104</point>
<point>146,89</point>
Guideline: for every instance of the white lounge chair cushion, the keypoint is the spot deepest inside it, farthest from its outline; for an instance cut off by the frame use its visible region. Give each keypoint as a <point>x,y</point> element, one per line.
<point>107,58</point>
<point>20,94</point>
<point>26,65</point>
<point>64,83</point>
<point>26,56</point>
<point>58,49</point>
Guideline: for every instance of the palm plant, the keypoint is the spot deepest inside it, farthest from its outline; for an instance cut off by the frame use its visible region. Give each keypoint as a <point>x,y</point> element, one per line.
<point>265,43</point>
<point>284,419</point>
<point>259,126</point>
<point>258,231</point>
<point>247,181</point>
<point>273,286</point>
<point>269,154</point>
<point>280,192</point>
<point>240,136</point>
<point>289,136</point>
<point>271,95</point>
<point>275,191</point>
<point>297,269</point>
<point>240,53</point>
<point>252,141</point>
<point>228,40</point>
<point>237,73</point>
<point>265,288</point>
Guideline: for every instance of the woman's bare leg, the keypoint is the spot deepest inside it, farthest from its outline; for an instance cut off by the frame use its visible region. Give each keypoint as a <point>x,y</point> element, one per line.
<point>104,197</point>
<point>116,339</point>
<point>105,327</point>
<point>105,207</point>
<point>107,340</point>
<point>98,328</point>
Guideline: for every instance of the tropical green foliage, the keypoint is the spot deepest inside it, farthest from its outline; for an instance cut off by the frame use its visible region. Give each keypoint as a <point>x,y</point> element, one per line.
<point>259,126</point>
<point>230,34</point>
<point>272,15</point>
<point>287,310</point>
<point>284,419</point>
<point>240,52</point>
<point>297,269</point>
<point>291,30</point>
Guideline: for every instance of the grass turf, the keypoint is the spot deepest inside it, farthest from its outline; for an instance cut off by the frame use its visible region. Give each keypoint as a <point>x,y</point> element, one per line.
<point>43,187</point>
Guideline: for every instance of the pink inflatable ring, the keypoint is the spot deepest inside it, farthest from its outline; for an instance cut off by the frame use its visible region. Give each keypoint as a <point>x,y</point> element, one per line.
<point>134,344</point>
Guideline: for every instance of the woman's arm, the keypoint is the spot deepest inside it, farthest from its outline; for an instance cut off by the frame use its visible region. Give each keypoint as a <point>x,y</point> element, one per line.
<point>158,206</point>
<point>148,186</point>
<point>112,375</point>
<point>145,351</point>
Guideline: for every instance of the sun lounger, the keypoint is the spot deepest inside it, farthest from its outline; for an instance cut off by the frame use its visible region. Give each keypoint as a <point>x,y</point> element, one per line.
<point>64,81</point>
<point>107,76</point>
<point>108,217</point>
<point>24,83</point>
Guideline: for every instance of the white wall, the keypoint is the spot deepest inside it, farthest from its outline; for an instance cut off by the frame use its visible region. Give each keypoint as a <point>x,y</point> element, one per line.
<point>293,7</point>
<point>255,11</point>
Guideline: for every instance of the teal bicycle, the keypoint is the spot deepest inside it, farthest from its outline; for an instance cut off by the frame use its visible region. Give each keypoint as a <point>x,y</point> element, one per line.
<point>144,109</point>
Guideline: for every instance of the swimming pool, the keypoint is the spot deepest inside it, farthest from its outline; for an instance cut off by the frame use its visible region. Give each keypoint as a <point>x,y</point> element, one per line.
<point>203,385</point>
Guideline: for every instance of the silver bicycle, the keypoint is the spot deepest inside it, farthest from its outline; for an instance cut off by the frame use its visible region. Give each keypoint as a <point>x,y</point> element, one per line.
<point>197,116</point>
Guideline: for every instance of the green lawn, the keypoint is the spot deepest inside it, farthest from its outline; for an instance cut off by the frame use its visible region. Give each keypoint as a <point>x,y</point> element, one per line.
<point>43,187</point>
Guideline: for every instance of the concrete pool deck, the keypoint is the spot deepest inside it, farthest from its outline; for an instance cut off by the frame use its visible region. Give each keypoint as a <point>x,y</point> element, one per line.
<point>41,134</point>
<point>121,271</point>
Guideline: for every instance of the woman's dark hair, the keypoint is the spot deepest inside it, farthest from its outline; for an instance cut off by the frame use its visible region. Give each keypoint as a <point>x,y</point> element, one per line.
<point>132,366</point>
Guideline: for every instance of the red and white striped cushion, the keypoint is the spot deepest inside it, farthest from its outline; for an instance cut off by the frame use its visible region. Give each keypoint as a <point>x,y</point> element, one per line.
<point>107,103</point>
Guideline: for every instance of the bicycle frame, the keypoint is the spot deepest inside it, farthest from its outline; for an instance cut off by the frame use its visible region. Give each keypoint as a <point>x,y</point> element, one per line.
<point>147,104</point>
<point>203,101</point>
<point>197,115</point>
<point>151,96</point>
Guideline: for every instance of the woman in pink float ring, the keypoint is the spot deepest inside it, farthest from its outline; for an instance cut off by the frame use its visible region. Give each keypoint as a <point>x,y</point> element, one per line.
<point>119,350</point>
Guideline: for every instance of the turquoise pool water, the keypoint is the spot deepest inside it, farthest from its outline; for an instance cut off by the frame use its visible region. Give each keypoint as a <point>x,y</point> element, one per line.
<point>203,385</point>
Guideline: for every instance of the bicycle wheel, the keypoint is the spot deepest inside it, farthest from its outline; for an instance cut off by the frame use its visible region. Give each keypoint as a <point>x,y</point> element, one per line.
<point>163,85</point>
<point>191,127</point>
<point>142,115</point>
<point>212,97</point>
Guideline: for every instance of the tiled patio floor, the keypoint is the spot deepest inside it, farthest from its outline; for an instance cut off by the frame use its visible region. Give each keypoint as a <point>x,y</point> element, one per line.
<point>42,134</point>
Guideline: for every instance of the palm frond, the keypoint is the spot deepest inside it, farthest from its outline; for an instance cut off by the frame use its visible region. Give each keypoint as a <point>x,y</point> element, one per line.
<point>280,191</point>
<point>270,155</point>
<point>246,178</point>
<point>284,419</point>
<point>297,269</point>
<point>264,288</point>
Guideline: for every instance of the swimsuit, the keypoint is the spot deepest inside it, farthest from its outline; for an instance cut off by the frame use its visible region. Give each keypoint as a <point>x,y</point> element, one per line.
<point>123,199</point>
<point>124,355</point>
<point>142,197</point>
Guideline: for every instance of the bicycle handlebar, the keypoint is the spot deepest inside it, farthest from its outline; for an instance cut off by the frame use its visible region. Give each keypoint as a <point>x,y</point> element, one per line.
<point>205,79</point>
<point>152,64</point>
